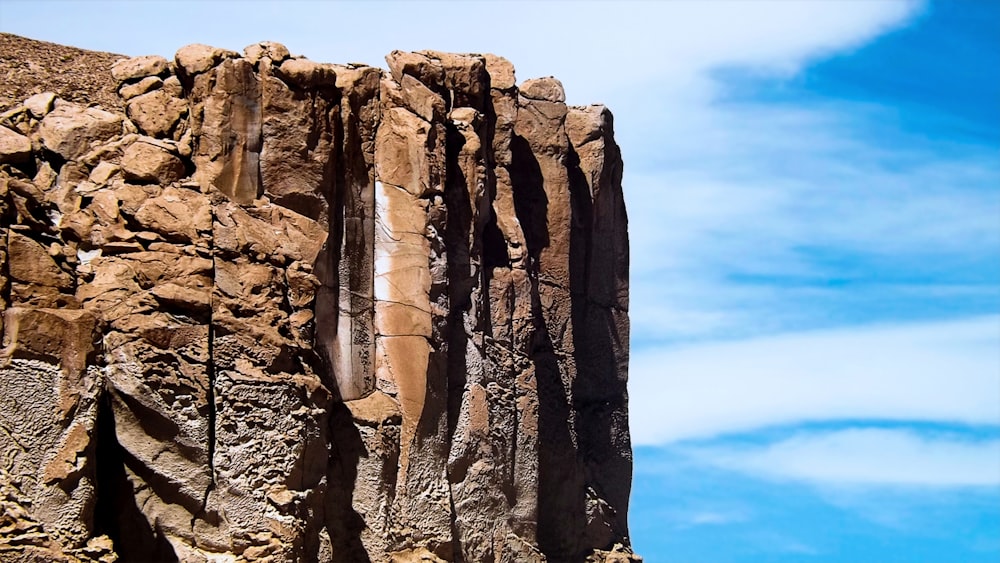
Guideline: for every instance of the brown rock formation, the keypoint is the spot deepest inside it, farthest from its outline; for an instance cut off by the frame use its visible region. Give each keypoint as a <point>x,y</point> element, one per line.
<point>264,308</point>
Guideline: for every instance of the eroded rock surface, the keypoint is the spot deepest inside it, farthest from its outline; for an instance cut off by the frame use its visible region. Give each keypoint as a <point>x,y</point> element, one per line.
<point>282,310</point>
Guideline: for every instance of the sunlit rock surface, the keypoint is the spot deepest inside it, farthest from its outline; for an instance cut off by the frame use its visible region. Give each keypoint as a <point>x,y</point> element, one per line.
<point>271,309</point>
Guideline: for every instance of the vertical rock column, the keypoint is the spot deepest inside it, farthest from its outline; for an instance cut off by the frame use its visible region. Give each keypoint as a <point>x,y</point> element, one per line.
<point>352,230</point>
<point>411,298</point>
<point>482,398</point>
<point>364,429</point>
<point>274,214</point>
<point>600,319</point>
<point>153,289</point>
<point>544,208</point>
<point>467,197</point>
<point>511,324</point>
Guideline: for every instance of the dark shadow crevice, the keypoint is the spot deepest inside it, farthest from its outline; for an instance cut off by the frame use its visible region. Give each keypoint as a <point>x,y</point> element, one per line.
<point>343,524</point>
<point>116,513</point>
<point>460,282</point>
<point>599,389</point>
<point>561,510</point>
<point>531,205</point>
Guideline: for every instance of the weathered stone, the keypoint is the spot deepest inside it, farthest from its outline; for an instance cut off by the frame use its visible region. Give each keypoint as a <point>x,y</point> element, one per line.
<point>406,165</point>
<point>298,142</point>
<point>374,410</point>
<point>156,113</point>
<point>69,129</point>
<point>197,58</point>
<point>49,386</point>
<point>103,172</point>
<point>62,337</point>
<point>15,148</point>
<point>548,89</point>
<point>417,65</point>
<point>129,91</point>
<point>138,67</point>
<point>274,51</point>
<point>227,157</point>
<point>307,74</point>
<point>270,233</point>
<point>386,319</point>
<point>172,85</point>
<point>40,105</point>
<point>35,278</point>
<point>416,97</point>
<point>501,72</point>
<point>465,77</point>
<point>145,163</point>
<point>177,214</point>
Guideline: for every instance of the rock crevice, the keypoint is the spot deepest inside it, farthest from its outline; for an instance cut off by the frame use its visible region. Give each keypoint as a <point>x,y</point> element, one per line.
<point>283,310</point>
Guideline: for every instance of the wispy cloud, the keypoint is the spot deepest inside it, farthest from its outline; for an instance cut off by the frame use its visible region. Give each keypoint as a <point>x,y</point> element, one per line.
<point>866,456</point>
<point>941,371</point>
<point>757,216</point>
<point>714,518</point>
<point>598,49</point>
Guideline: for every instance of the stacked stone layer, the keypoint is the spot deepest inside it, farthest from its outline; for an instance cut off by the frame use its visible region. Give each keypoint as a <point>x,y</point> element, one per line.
<point>290,311</point>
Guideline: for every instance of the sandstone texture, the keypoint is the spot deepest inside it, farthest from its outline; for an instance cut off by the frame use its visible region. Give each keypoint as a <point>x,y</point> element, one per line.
<point>261,308</point>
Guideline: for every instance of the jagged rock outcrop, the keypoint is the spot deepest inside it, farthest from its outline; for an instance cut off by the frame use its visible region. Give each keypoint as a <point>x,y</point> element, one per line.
<point>282,310</point>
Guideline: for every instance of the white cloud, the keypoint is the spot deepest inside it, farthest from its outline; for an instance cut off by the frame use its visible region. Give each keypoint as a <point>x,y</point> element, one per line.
<point>763,189</point>
<point>596,48</point>
<point>794,175</point>
<point>943,371</point>
<point>866,456</point>
<point>715,518</point>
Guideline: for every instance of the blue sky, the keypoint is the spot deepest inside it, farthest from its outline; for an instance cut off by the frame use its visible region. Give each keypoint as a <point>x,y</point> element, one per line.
<point>814,199</point>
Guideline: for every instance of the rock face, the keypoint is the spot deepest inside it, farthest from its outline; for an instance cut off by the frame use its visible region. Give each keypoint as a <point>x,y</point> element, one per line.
<point>281,310</point>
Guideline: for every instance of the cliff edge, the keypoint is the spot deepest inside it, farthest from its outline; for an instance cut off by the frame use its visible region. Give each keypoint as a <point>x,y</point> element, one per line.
<point>260,308</point>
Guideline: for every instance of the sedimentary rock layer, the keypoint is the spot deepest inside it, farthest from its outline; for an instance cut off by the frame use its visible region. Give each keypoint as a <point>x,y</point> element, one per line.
<point>291,311</point>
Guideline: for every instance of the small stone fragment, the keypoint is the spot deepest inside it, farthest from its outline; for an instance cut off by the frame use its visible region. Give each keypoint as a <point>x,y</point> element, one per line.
<point>103,172</point>
<point>40,105</point>
<point>172,85</point>
<point>274,51</point>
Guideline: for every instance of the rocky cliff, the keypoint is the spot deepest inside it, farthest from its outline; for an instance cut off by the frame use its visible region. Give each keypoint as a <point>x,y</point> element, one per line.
<point>266,309</point>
